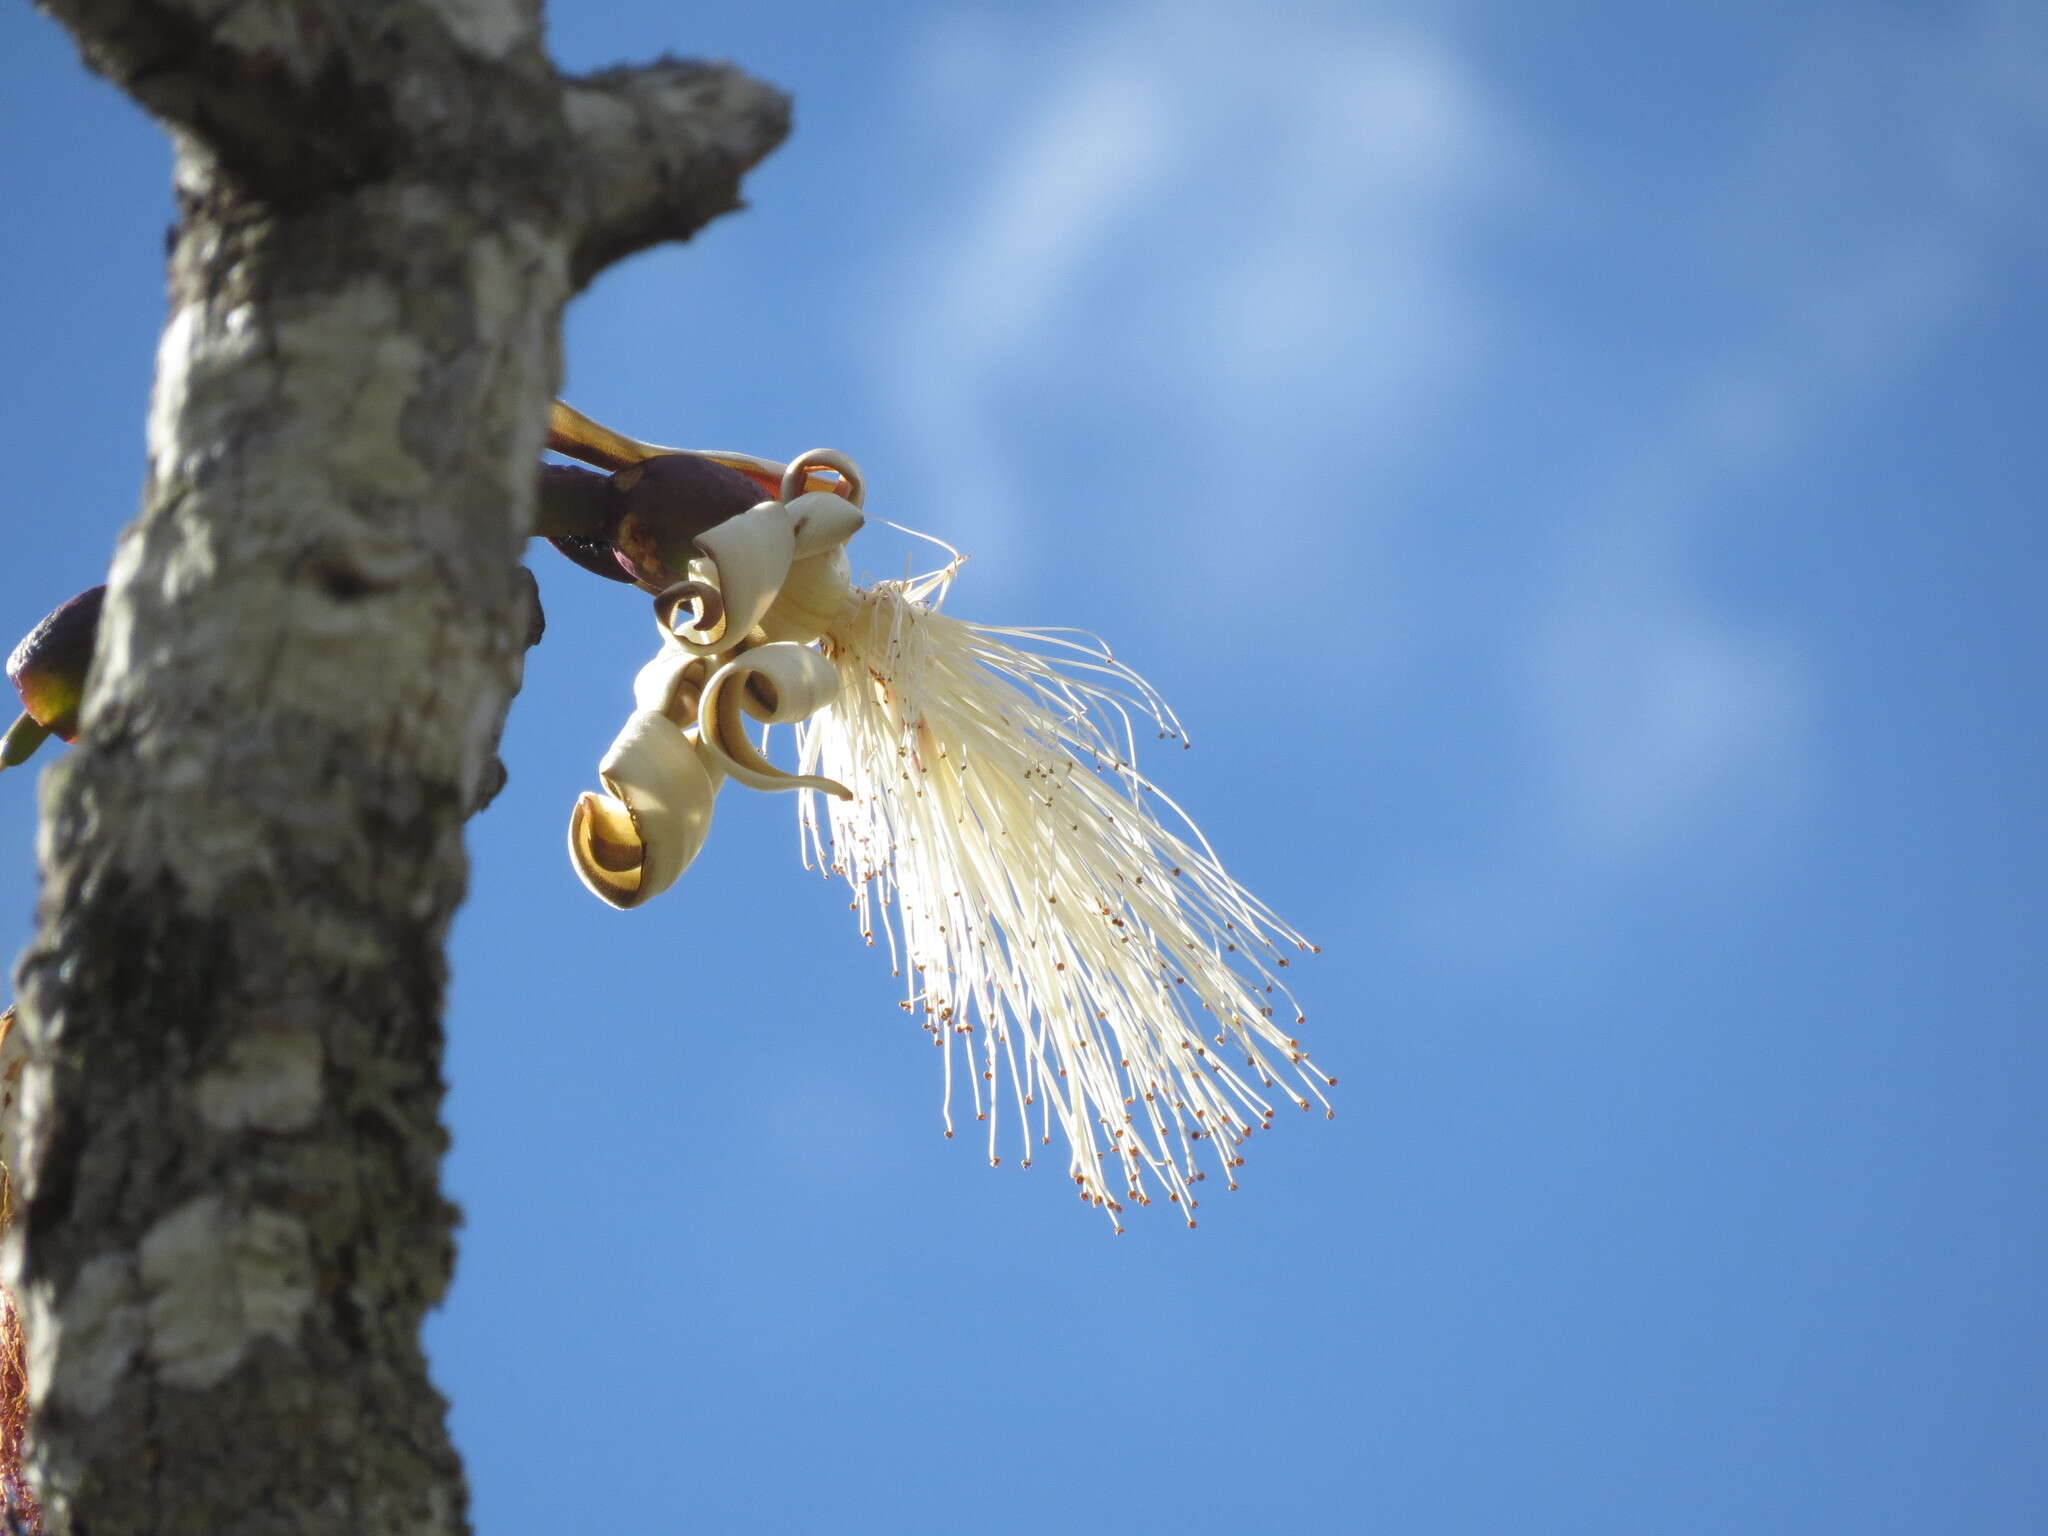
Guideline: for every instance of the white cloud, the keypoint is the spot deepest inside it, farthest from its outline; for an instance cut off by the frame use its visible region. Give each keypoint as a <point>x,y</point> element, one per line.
<point>1655,710</point>
<point>980,308</point>
<point>1867,200</point>
<point>1200,223</point>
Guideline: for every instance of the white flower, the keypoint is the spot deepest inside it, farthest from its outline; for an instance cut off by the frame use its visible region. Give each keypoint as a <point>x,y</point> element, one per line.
<point>1068,938</point>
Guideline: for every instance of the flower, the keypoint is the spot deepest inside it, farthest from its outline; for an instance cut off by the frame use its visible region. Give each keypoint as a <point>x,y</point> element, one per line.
<point>1067,937</point>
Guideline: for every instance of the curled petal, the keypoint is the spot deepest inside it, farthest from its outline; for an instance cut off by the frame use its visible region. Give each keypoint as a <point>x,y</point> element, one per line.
<point>816,593</point>
<point>708,608</point>
<point>779,682</point>
<point>749,556</point>
<point>801,468</point>
<point>671,684</point>
<point>823,521</point>
<point>821,471</point>
<point>632,843</point>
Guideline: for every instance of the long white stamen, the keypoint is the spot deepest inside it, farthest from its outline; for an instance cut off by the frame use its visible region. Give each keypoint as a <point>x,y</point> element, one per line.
<point>1043,903</point>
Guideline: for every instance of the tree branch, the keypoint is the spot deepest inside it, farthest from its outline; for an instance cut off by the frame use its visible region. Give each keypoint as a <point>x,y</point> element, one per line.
<point>660,152</point>
<point>230,73</point>
<point>229,1132</point>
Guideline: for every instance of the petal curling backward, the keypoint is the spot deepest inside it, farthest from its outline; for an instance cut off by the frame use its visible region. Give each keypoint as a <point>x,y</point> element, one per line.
<point>779,682</point>
<point>634,842</point>
<point>749,556</point>
<point>823,520</point>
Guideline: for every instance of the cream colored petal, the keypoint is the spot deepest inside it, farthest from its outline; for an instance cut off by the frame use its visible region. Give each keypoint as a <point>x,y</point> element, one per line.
<point>824,520</point>
<point>707,609</point>
<point>632,844</point>
<point>778,682</point>
<point>749,556</point>
<point>812,600</point>
<point>671,683</point>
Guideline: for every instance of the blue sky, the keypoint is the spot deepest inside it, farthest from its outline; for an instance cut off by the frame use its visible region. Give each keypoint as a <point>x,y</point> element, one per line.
<point>1577,471</point>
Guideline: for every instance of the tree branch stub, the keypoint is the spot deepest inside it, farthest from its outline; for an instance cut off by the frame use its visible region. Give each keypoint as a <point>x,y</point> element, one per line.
<point>661,151</point>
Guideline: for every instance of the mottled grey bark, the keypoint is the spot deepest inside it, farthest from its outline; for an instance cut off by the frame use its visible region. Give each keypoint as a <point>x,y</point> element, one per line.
<point>229,1141</point>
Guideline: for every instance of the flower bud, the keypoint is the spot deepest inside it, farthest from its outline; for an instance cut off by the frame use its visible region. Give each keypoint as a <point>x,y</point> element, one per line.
<point>665,504</point>
<point>48,670</point>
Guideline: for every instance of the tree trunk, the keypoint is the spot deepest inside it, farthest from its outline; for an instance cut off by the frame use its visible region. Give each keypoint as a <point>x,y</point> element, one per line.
<point>229,1140</point>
